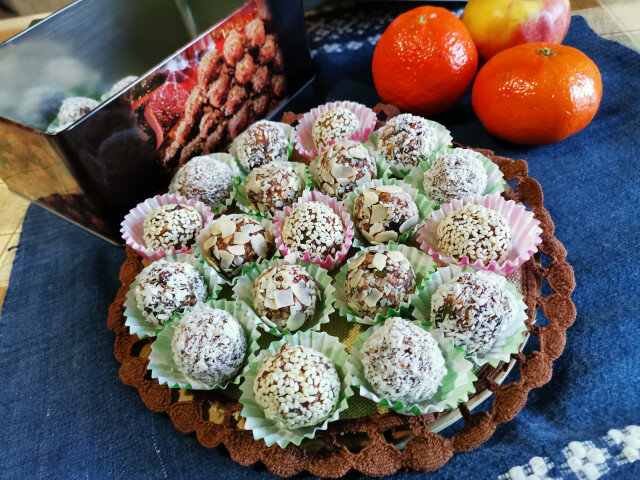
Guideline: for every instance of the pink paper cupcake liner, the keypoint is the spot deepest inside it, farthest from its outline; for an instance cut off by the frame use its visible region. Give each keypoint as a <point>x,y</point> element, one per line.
<point>329,262</point>
<point>133,224</point>
<point>303,139</point>
<point>525,231</point>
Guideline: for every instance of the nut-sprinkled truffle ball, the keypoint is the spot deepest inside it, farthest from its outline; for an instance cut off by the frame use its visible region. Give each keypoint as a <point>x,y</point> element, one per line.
<point>403,362</point>
<point>73,109</point>
<point>407,139</point>
<point>456,174</point>
<point>263,142</point>
<point>172,225</point>
<point>273,186</point>
<point>165,288</point>
<point>385,212</point>
<point>337,123</point>
<point>313,228</point>
<point>476,232</point>
<point>286,295</point>
<point>341,165</point>
<point>378,280</point>
<point>236,241</point>
<point>209,345</point>
<point>297,387</point>
<point>472,309</point>
<point>205,179</point>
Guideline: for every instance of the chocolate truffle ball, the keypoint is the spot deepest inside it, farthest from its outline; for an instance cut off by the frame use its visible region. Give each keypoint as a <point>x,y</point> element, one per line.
<point>285,295</point>
<point>209,346</point>
<point>313,228</point>
<point>378,280</point>
<point>456,174</point>
<point>172,225</point>
<point>236,241</point>
<point>332,125</point>
<point>73,109</point>
<point>476,232</point>
<point>205,179</point>
<point>273,186</point>
<point>263,142</point>
<point>165,288</point>
<point>297,387</point>
<point>472,309</point>
<point>403,362</point>
<point>341,165</point>
<point>385,212</point>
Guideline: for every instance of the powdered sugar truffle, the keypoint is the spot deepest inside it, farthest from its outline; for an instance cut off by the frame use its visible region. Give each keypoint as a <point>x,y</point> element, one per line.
<point>341,165</point>
<point>73,109</point>
<point>332,125</point>
<point>297,387</point>
<point>172,225</point>
<point>403,362</point>
<point>313,228</point>
<point>263,142</point>
<point>458,173</point>
<point>273,186</point>
<point>205,179</point>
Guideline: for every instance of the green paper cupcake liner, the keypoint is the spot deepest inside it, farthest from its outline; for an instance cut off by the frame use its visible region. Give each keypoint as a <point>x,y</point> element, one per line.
<point>255,419</point>
<point>233,148</point>
<point>423,266</point>
<point>508,342</point>
<point>456,387</point>
<point>162,363</point>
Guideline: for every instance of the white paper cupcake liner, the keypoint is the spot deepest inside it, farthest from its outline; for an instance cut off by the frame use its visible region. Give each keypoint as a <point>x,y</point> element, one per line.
<point>233,148</point>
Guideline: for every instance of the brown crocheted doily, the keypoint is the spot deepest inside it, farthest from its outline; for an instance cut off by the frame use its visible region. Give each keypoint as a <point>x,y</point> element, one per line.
<point>371,444</point>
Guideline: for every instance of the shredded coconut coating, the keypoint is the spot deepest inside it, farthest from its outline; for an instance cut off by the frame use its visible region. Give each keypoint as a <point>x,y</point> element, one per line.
<point>297,387</point>
<point>385,212</point>
<point>476,232</point>
<point>205,179</point>
<point>122,84</point>
<point>313,228</point>
<point>236,241</point>
<point>378,280</point>
<point>472,309</point>
<point>273,186</point>
<point>263,142</point>
<point>403,362</point>
<point>341,165</point>
<point>209,346</point>
<point>458,173</point>
<point>285,295</point>
<point>172,225</point>
<point>73,109</point>
<point>165,288</point>
<point>330,126</point>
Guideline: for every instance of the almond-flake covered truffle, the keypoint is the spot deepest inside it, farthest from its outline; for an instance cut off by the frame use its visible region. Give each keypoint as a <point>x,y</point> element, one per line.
<point>285,295</point>
<point>209,345</point>
<point>330,126</point>
<point>273,186</point>
<point>236,241</point>
<point>403,362</point>
<point>73,109</point>
<point>456,174</point>
<point>205,179</point>
<point>297,387</point>
<point>378,280</point>
<point>165,288</point>
<point>385,212</point>
<point>313,228</point>
<point>263,142</point>
<point>472,309</point>
<point>172,225</point>
<point>341,165</point>
<point>476,232</point>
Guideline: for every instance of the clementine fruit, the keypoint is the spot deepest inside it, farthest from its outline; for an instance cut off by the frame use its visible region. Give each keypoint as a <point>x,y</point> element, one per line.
<point>424,61</point>
<point>537,93</point>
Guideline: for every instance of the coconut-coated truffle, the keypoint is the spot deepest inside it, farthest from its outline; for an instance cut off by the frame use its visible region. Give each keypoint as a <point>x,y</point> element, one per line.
<point>122,84</point>
<point>332,125</point>
<point>165,288</point>
<point>172,225</point>
<point>378,280</point>
<point>476,232</point>
<point>209,346</point>
<point>313,228</point>
<point>273,186</point>
<point>73,109</point>
<point>263,142</point>
<point>457,173</point>
<point>384,213</point>
<point>472,309</point>
<point>403,362</point>
<point>285,295</point>
<point>297,387</point>
<point>341,165</point>
<point>205,179</point>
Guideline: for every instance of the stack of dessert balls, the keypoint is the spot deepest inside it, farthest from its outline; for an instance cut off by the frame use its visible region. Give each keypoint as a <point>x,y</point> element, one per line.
<point>299,386</point>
